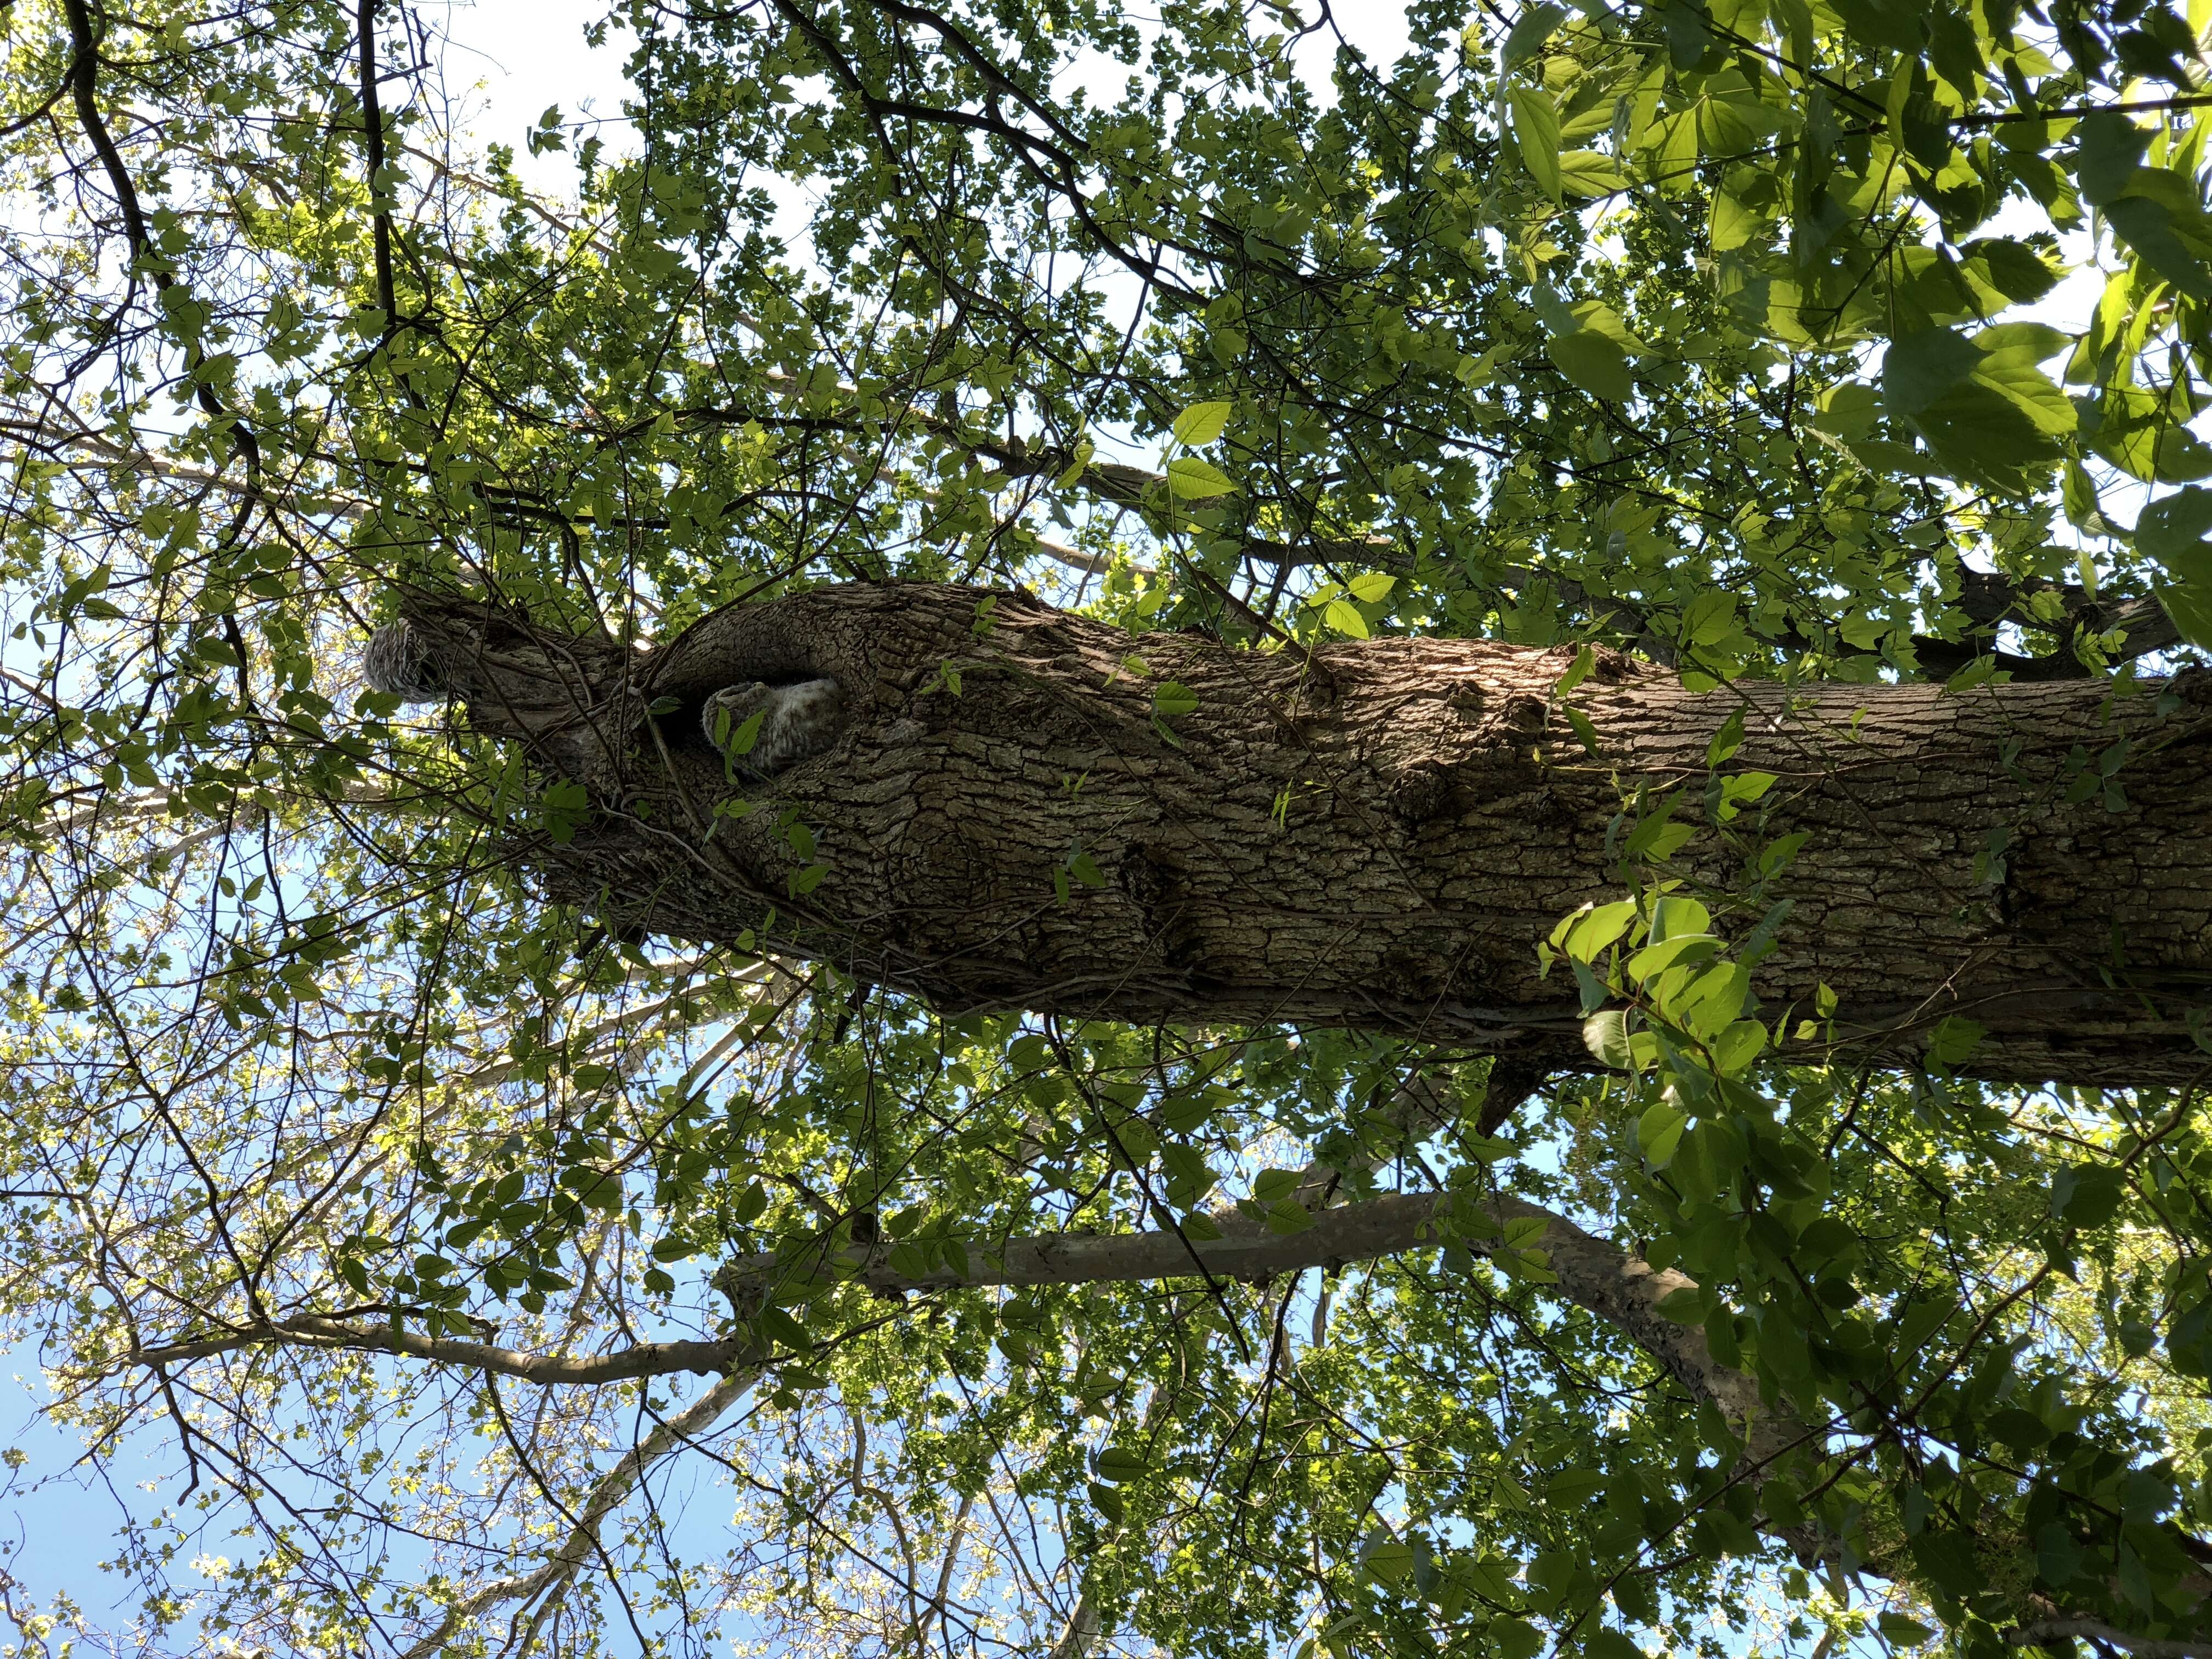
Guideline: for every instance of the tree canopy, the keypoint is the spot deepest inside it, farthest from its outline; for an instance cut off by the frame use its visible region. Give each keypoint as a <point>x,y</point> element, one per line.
<point>488,1274</point>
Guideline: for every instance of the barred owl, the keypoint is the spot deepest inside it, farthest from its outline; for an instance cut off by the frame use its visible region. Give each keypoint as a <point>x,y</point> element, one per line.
<point>401,661</point>
<point>796,721</point>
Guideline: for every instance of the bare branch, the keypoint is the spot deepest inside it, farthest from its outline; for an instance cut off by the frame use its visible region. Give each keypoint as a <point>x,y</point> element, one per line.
<point>1620,1287</point>
<point>308,1331</point>
<point>546,1582</point>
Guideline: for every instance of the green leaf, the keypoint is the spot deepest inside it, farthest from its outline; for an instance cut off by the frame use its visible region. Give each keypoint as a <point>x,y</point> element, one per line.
<point>1605,1034</point>
<point>1522,1232</point>
<point>1084,449</point>
<point>1953,1042</point>
<point>2172,530</point>
<point>2173,241</point>
<point>1388,1561</point>
<point>1741,789</point>
<point>1172,700</point>
<point>1120,1465</point>
<point>1848,411</point>
<point>1921,1322</point>
<point>2088,1194</point>
<point>1707,1005</point>
<point>1573,1485</point>
<point>2108,147</point>
<point>1919,369</point>
<point>1344,617</point>
<point>1372,587</point>
<point>1731,119</point>
<point>2057,1557</point>
<point>1591,929</point>
<point>780,1328</point>
<point>1733,224</point>
<point>1683,1306</point>
<point>1738,1046</point>
<point>1578,671</point>
<point>1710,617</point>
<point>1902,1631</point>
<point>2083,508</point>
<point>1535,25</point>
<point>1202,423</point>
<point>1677,949</point>
<point>2018,272</point>
<point>738,741</point>
<point>1659,1132</point>
<point>2024,343</point>
<point>1590,173</point>
<point>2182,456</point>
<point>2020,1429</point>
<point>1594,362</point>
<point>595,1190</point>
<point>1879,457</point>
<point>2189,606</point>
<point>1536,131</point>
<point>1601,318</point>
<point>1983,405</point>
<point>1674,915</point>
<point>1191,479</point>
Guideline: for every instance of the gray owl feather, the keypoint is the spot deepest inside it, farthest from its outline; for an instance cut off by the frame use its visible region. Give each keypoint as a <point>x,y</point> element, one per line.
<point>400,661</point>
<point>796,721</point>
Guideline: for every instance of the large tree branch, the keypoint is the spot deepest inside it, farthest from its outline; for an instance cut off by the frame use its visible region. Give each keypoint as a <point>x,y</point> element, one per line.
<point>1356,1232</point>
<point>309,1331</point>
<point>1438,777</point>
<point>1619,1286</point>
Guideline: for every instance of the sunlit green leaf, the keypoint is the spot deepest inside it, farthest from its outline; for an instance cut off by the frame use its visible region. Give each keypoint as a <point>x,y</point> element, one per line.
<point>1191,479</point>
<point>1202,423</point>
<point>1536,131</point>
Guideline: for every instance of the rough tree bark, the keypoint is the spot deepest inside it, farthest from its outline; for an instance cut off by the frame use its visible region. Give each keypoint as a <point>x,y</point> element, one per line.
<point>1369,834</point>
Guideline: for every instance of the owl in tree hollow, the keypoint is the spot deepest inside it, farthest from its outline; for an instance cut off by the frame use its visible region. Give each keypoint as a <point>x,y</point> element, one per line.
<point>796,721</point>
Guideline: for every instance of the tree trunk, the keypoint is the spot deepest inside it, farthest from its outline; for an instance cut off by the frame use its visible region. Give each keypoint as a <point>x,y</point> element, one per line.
<point>1370,834</point>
